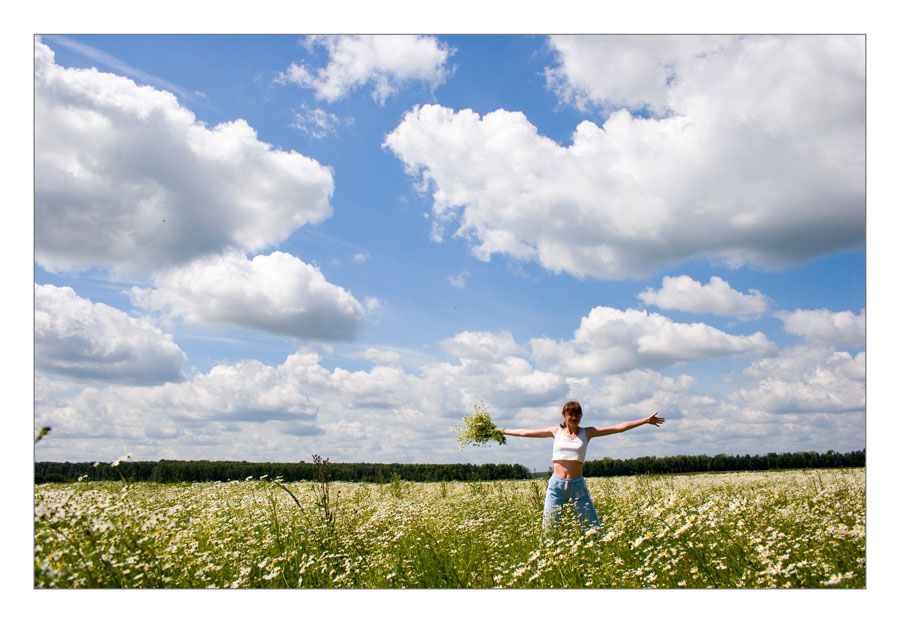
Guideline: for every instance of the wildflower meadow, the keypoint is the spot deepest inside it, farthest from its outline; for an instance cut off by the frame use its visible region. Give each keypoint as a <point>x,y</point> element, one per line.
<point>784,529</point>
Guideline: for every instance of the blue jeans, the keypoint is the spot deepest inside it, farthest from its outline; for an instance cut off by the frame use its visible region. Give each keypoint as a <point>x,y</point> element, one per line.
<point>572,491</point>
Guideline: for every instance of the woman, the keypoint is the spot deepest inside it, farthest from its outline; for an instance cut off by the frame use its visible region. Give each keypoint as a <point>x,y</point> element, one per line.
<point>569,447</point>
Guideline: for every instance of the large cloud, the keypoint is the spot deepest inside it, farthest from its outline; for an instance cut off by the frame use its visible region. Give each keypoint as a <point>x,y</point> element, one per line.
<point>623,71</point>
<point>388,61</point>
<point>384,413</point>
<point>716,297</point>
<point>611,341</point>
<point>126,177</point>
<point>761,159</point>
<point>781,83</point>
<point>79,339</point>
<point>249,410</point>
<point>275,293</point>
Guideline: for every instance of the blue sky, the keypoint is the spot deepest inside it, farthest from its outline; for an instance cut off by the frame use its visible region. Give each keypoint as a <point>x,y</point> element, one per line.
<point>265,247</point>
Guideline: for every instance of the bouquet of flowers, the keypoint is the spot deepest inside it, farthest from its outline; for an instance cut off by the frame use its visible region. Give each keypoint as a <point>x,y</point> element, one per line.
<point>477,429</point>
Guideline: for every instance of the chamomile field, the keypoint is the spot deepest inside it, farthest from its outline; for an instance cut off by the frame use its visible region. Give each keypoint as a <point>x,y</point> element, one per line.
<point>790,529</point>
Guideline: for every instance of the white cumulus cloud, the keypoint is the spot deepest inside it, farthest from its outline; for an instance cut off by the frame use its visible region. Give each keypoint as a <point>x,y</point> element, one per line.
<point>491,365</point>
<point>388,61</point>
<point>610,341</point>
<point>507,383</point>
<point>481,345</point>
<point>381,355</point>
<point>717,297</point>
<point>760,159</point>
<point>821,326</point>
<point>639,390</point>
<point>275,293</point>
<point>126,177</point>
<point>250,410</point>
<point>77,338</point>
<point>806,379</point>
<point>204,407</point>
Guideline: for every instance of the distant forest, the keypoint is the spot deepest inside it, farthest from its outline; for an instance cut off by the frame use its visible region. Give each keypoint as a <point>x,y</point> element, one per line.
<point>723,463</point>
<point>168,471</point>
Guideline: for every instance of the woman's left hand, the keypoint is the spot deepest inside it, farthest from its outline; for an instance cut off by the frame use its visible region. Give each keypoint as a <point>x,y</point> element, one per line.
<point>656,421</point>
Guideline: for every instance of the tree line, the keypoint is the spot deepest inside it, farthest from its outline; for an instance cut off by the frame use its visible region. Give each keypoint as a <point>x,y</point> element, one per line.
<point>169,471</point>
<point>723,463</point>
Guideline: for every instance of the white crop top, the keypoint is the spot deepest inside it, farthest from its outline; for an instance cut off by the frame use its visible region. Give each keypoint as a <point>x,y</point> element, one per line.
<point>567,448</point>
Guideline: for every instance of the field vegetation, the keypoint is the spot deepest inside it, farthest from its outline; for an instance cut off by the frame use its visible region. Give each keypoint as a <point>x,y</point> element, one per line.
<point>798,528</point>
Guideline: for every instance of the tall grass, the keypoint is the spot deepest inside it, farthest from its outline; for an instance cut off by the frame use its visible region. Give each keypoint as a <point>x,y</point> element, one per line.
<point>776,529</point>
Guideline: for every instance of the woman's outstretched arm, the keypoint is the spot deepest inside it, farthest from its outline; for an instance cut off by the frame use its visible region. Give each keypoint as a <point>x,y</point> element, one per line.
<point>621,428</point>
<point>524,432</point>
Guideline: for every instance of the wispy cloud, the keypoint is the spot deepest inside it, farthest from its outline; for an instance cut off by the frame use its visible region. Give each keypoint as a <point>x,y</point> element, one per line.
<point>459,281</point>
<point>318,123</point>
<point>120,66</point>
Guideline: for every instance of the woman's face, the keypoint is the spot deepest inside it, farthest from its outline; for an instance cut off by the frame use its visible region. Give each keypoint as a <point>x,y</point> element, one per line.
<point>572,419</point>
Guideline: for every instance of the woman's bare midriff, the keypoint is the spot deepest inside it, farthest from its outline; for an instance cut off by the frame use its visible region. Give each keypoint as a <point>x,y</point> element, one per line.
<point>567,469</point>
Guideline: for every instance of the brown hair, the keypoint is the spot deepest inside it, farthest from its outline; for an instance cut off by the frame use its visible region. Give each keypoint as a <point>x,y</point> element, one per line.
<point>571,407</point>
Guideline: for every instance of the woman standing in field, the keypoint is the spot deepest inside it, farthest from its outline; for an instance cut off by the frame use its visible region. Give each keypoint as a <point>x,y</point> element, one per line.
<point>570,442</point>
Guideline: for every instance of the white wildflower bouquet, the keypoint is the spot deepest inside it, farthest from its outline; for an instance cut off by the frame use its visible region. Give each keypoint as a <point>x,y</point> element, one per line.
<point>477,429</point>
